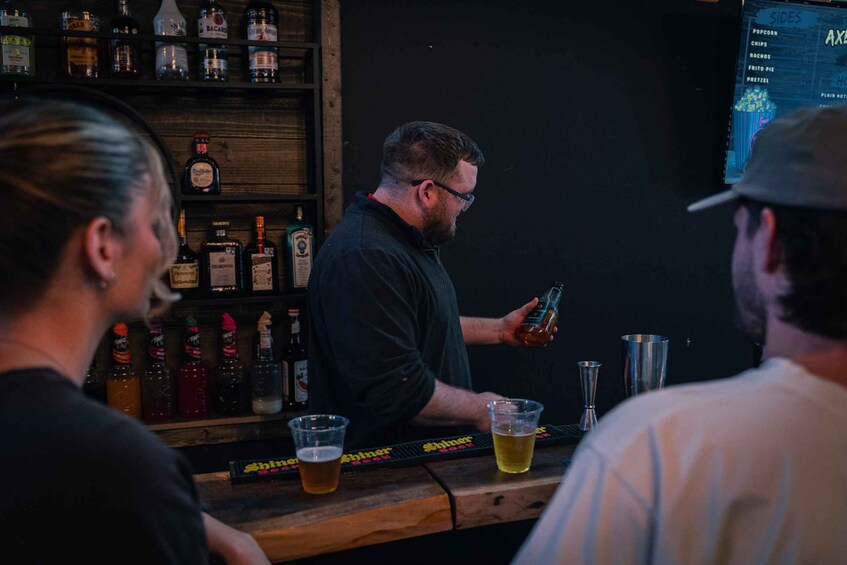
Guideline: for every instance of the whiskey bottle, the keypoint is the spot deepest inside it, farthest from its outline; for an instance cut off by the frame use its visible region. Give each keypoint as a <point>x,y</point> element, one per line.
<point>185,272</point>
<point>18,51</point>
<point>265,372</point>
<point>125,53</point>
<point>538,326</point>
<point>260,263</point>
<point>79,54</point>
<point>193,375</point>
<point>295,371</point>
<point>222,263</point>
<point>212,60</point>
<point>299,247</point>
<point>158,384</point>
<point>123,387</point>
<point>232,390</point>
<point>201,174</point>
<point>260,24</point>
<point>171,58</point>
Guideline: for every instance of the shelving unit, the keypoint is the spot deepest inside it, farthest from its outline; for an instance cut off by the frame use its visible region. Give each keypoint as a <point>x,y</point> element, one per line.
<point>268,140</point>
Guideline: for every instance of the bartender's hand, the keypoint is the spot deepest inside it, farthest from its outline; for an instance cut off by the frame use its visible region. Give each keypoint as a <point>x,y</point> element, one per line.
<point>234,546</point>
<point>513,320</point>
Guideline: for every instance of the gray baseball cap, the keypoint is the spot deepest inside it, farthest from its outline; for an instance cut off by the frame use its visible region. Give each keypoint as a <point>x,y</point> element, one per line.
<point>799,160</point>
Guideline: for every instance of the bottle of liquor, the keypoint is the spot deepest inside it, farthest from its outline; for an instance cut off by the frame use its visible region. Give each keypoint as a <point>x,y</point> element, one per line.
<point>538,325</point>
<point>222,263</point>
<point>260,263</point>
<point>80,54</point>
<point>295,369</point>
<point>171,58</point>
<point>232,390</point>
<point>125,53</point>
<point>299,246</point>
<point>193,375</point>
<point>260,24</point>
<point>185,272</point>
<point>94,385</point>
<point>266,372</point>
<point>158,385</point>
<point>18,51</point>
<point>201,174</point>
<point>212,59</point>
<point>123,387</point>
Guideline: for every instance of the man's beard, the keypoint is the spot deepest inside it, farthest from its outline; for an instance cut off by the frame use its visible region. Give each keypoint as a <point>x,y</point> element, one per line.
<point>438,226</point>
<point>750,311</point>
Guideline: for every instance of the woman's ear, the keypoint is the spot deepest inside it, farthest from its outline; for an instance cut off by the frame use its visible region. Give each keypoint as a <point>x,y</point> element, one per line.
<point>100,247</point>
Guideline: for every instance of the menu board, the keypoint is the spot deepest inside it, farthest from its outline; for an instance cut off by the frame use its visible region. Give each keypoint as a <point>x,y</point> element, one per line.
<point>791,55</point>
<point>410,453</point>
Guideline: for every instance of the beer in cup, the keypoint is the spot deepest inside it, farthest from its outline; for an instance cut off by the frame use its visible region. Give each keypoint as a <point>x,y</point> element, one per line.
<point>513,424</point>
<point>319,443</point>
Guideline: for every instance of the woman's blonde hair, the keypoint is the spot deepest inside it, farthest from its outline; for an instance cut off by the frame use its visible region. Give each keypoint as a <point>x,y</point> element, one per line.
<point>63,164</point>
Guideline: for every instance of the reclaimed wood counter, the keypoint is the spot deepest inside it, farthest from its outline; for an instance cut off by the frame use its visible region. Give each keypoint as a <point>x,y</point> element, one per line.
<point>382,505</point>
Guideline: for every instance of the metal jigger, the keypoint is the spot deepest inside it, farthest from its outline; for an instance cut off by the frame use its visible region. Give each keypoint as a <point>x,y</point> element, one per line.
<point>588,377</point>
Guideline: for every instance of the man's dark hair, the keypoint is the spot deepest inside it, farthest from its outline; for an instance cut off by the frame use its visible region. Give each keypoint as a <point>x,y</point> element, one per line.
<point>814,247</point>
<point>425,150</point>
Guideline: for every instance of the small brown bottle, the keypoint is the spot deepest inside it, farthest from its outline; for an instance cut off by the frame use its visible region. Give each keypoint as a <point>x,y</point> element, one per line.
<point>538,325</point>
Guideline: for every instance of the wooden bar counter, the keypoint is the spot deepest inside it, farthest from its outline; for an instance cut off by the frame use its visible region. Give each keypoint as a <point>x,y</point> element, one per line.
<point>382,505</point>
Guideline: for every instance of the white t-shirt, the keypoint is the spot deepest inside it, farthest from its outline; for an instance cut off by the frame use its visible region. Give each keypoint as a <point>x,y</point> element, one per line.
<point>751,469</point>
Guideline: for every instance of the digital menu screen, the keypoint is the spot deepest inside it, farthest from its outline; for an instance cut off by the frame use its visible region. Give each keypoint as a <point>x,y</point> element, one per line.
<point>791,55</point>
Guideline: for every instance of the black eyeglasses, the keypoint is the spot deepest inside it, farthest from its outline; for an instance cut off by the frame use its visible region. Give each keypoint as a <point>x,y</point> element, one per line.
<point>466,198</point>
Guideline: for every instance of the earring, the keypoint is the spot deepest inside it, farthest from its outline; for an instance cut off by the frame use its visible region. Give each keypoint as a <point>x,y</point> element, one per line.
<point>107,282</point>
<point>103,284</point>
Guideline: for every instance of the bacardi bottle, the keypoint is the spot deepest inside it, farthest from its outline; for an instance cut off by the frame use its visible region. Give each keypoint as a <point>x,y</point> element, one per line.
<point>212,59</point>
<point>260,263</point>
<point>299,249</point>
<point>260,24</point>
<point>193,375</point>
<point>125,53</point>
<point>123,387</point>
<point>266,372</point>
<point>295,369</point>
<point>80,55</point>
<point>201,174</point>
<point>232,390</point>
<point>158,385</point>
<point>18,51</point>
<point>222,263</point>
<point>171,58</point>
<point>185,272</point>
<point>538,325</point>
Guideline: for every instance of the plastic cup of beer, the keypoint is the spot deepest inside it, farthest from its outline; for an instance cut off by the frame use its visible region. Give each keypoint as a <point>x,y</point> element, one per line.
<point>513,424</point>
<point>319,443</point>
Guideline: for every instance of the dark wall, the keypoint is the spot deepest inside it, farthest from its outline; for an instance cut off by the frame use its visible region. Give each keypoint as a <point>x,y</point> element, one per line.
<point>600,121</point>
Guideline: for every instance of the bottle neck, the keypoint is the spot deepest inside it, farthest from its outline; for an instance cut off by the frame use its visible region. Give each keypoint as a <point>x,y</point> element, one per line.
<point>123,8</point>
<point>220,232</point>
<point>201,147</point>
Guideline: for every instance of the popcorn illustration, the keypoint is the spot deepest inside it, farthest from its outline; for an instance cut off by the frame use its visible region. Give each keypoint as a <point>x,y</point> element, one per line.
<point>752,113</point>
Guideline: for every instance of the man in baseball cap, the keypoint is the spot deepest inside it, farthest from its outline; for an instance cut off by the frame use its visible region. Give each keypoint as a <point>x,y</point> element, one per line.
<point>753,468</point>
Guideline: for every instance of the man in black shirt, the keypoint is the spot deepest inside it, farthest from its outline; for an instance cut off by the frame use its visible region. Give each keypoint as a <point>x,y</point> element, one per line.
<point>387,341</point>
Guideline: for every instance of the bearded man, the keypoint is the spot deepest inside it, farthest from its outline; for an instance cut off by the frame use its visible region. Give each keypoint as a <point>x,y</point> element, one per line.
<point>387,343</point>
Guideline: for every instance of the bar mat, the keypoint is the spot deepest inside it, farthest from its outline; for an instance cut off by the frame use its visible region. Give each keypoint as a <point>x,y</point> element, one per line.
<point>413,452</point>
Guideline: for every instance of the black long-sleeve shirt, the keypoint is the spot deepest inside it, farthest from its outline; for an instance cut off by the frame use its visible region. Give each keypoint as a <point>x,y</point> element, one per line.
<point>384,324</point>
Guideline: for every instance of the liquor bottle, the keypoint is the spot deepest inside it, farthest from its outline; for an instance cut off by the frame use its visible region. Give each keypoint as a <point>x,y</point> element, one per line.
<point>538,326</point>
<point>18,51</point>
<point>212,60</point>
<point>193,375</point>
<point>201,174</point>
<point>232,390</point>
<point>295,369</point>
<point>94,385</point>
<point>260,24</point>
<point>260,263</point>
<point>158,385</point>
<point>185,272</point>
<point>171,58</point>
<point>124,53</point>
<point>123,387</point>
<point>80,54</point>
<point>222,263</point>
<point>266,372</point>
<point>299,246</point>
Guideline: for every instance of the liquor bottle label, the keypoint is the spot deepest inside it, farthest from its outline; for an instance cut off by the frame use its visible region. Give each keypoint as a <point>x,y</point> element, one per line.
<point>302,256</point>
<point>262,58</point>
<point>124,58</point>
<point>185,275</point>
<point>202,175</point>
<point>222,269</point>
<point>536,317</point>
<point>14,21</point>
<point>213,26</point>
<point>301,378</point>
<point>214,63</point>
<point>261,270</point>
<point>82,50</point>
<point>229,344</point>
<point>15,55</point>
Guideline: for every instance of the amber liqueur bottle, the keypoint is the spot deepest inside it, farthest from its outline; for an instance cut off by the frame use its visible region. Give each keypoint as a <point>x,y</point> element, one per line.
<point>232,389</point>
<point>222,263</point>
<point>124,53</point>
<point>185,272</point>
<point>201,174</point>
<point>80,56</point>
<point>295,368</point>
<point>260,263</point>
<point>538,326</point>
<point>158,384</point>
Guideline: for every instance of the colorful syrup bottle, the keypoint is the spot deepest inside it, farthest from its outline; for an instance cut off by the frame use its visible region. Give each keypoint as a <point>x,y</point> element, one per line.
<point>193,375</point>
<point>158,384</point>
<point>123,387</point>
<point>266,372</point>
<point>232,390</point>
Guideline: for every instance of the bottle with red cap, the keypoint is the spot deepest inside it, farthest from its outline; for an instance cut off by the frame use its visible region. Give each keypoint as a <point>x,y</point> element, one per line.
<point>232,391</point>
<point>123,387</point>
<point>193,376</point>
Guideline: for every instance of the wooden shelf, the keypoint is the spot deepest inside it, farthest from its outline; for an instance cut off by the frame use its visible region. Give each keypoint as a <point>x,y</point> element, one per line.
<point>186,433</point>
<point>211,199</point>
<point>225,301</point>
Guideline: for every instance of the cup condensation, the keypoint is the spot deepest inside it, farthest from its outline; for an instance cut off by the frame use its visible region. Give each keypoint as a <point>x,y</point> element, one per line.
<point>513,425</point>
<point>319,444</point>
